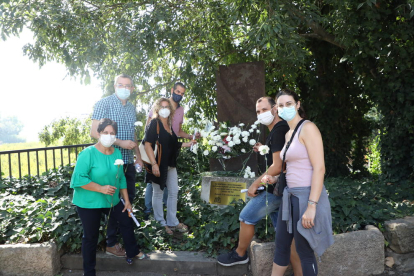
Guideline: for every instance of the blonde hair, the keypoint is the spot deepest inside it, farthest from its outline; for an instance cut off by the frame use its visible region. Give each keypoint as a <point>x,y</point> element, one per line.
<point>157,107</point>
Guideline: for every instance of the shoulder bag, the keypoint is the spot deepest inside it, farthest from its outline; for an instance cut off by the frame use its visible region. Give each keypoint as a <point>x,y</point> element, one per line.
<point>281,182</point>
<point>157,149</point>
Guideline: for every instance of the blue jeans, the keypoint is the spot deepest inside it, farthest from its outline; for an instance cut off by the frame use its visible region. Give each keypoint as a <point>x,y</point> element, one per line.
<point>148,197</point>
<point>255,209</point>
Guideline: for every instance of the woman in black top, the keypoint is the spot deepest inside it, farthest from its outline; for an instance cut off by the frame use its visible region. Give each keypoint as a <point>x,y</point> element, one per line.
<point>162,172</point>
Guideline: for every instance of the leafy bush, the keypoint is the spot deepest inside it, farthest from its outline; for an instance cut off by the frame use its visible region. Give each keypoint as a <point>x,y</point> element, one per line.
<point>356,203</point>
<point>37,209</point>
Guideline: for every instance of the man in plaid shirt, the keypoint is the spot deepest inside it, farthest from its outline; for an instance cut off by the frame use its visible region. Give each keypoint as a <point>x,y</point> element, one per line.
<point>117,108</point>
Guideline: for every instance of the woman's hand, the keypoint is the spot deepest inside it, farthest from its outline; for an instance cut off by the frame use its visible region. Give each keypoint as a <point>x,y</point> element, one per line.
<point>309,217</point>
<point>268,179</point>
<point>128,206</point>
<point>108,190</point>
<point>188,144</point>
<point>256,147</point>
<point>156,170</point>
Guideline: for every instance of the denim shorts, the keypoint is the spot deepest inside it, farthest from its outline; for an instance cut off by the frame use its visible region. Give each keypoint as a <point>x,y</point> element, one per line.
<point>255,209</point>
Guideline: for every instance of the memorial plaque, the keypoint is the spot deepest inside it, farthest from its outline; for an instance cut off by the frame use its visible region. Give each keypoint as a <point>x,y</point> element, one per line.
<point>239,86</point>
<point>224,193</point>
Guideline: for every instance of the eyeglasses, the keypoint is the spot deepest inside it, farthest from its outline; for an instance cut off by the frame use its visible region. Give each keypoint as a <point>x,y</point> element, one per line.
<point>288,104</point>
<point>127,86</point>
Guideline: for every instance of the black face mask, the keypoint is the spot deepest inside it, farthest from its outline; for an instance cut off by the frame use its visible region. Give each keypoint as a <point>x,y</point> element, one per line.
<point>177,98</point>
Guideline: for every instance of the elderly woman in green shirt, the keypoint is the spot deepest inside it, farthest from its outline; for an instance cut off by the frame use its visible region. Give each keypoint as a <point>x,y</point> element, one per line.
<point>97,180</point>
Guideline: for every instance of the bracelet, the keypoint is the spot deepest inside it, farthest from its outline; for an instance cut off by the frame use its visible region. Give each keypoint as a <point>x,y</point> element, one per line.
<point>153,163</point>
<point>311,202</point>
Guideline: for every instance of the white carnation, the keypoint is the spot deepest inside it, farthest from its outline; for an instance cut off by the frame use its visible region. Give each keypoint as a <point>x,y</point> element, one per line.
<point>206,152</point>
<point>245,139</point>
<point>230,144</point>
<point>214,148</point>
<point>243,150</point>
<point>252,142</point>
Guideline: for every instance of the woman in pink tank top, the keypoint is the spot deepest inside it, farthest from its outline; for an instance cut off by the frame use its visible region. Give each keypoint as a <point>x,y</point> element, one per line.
<point>305,212</point>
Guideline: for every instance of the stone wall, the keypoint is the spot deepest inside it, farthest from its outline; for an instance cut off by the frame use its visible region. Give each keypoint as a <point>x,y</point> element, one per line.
<point>29,259</point>
<point>400,235</point>
<point>358,253</point>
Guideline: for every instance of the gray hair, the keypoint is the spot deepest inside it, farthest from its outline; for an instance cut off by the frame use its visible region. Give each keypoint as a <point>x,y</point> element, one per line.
<point>123,76</point>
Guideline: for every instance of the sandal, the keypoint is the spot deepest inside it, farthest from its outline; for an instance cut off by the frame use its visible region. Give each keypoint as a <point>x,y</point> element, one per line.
<point>181,227</point>
<point>168,231</point>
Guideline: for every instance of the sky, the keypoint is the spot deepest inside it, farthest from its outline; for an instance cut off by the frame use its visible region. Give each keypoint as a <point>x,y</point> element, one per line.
<point>37,96</point>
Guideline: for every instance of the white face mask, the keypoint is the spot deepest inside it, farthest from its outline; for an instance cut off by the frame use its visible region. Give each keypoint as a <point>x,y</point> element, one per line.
<point>107,140</point>
<point>164,112</point>
<point>123,93</point>
<point>266,118</point>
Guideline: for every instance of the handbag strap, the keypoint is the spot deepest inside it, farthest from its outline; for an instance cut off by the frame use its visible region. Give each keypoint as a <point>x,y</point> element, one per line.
<point>158,144</point>
<point>290,141</point>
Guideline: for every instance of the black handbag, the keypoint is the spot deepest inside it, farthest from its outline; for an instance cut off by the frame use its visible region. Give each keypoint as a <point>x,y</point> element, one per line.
<point>281,182</point>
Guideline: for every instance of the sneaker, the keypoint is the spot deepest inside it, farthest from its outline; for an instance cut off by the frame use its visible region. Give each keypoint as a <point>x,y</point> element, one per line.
<point>115,250</point>
<point>232,258</point>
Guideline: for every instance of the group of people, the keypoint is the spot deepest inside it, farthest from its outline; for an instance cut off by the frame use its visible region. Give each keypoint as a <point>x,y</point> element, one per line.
<point>106,171</point>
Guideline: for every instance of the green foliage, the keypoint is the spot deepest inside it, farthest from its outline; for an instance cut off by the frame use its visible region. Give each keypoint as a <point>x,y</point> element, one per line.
<point>374,157</point>
<point>72,131</point>
<point>10,128</point>
<point>344,57</point>
<point>38,209</point>
<point>355,204</point>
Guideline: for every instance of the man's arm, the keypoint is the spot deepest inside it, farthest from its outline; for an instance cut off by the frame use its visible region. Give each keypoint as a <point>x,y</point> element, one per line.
<point>273,170</point>
<point>183,134</point>
<point>94,129</point>
<point>138,154</point>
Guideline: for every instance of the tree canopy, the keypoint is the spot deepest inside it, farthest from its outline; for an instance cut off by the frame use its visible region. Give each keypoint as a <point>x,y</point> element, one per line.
<point>10,128</point>
<point>350,61</point>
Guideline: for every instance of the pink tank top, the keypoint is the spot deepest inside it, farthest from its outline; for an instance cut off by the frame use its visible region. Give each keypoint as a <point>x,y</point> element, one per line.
<point>298,166</point>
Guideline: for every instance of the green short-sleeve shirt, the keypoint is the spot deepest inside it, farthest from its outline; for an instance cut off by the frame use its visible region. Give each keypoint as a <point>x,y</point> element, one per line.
<point>94,166</point>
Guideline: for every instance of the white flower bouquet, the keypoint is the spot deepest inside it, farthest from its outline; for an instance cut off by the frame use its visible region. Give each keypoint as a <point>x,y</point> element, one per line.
<point>225,141</point>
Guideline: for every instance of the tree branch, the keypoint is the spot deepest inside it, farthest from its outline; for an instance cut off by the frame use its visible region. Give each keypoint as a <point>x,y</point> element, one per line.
<point>157,86</point>
<point>318,31</point>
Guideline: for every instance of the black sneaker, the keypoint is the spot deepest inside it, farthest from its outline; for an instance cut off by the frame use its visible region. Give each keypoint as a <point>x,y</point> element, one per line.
<point>232,258</point>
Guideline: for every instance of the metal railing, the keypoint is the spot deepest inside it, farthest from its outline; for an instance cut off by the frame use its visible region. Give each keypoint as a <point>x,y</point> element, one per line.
<point>57,153</point>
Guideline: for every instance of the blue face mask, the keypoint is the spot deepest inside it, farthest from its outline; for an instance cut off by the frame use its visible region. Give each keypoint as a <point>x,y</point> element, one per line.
<point>287,113</point>
<point>123,93</point>
<point>177,98</point>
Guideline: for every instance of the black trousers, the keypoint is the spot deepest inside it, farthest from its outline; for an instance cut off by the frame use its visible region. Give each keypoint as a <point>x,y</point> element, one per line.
<point>91,220</point>
<point>284,241</point>
<point>113,227</point>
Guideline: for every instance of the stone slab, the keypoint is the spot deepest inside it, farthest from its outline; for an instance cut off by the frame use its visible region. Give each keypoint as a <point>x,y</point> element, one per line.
<point>40,259</point>
<point>359,253</point>
<point>400,234</point>
<point>403,262</point>
<point>206,185</point>
<point>177,262</point>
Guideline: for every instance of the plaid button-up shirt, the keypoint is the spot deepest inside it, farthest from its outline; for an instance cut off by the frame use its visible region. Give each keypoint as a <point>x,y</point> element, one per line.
<point>112,108</point>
